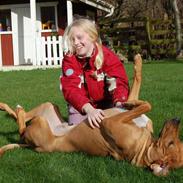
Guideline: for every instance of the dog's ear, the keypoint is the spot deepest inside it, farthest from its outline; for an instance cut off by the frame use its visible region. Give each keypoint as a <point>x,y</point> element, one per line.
<point>170,133</point>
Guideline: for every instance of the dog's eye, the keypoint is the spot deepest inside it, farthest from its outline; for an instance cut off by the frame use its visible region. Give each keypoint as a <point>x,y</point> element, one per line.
<point>171,143</point>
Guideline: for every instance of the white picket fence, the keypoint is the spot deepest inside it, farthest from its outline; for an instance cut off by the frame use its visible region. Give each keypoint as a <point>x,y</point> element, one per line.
<point>49,51</point>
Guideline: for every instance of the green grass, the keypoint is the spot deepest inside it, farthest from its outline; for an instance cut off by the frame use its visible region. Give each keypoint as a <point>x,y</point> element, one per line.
<point>162,87</point>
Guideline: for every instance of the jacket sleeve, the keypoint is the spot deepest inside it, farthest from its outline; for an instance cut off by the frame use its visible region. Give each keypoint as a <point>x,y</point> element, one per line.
<point>116,78</point>
<point>71,81</point>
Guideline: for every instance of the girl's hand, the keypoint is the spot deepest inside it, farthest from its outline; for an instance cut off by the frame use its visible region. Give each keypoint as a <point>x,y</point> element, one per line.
<point>95,116</point>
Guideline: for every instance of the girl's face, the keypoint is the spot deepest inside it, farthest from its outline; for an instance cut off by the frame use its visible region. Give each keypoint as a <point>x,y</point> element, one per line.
<point>82,42</point>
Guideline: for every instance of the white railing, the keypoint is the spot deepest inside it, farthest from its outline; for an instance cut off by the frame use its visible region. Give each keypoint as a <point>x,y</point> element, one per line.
<point>49,51</point>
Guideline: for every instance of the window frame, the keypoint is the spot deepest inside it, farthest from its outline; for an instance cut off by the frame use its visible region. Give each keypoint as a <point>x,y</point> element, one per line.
<point>49,4</point>
<point>7,31</point>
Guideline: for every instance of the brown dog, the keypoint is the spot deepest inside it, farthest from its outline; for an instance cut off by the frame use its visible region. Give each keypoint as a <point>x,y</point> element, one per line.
<point>123,135</point>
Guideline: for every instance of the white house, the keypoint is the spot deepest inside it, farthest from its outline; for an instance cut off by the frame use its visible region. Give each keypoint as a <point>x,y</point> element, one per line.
<point>31,30</point>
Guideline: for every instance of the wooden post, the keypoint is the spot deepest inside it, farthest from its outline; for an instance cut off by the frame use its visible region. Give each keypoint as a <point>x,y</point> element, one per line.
<point>33,20</point>
<point>69,12</point>
<point>147,26</point>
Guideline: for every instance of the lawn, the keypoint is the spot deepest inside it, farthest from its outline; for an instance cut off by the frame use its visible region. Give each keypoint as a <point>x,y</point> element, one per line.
<point>162,86</point>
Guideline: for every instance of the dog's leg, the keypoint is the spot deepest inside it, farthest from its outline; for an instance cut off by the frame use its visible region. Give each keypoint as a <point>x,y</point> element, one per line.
<point>51,114</point>
<point>46,110</point>
<point>21,120</point>
<point>141,108</point>
<point>9,110</point>
<point>39,135</point>
<point>5,148</point>
<point>135,89</point>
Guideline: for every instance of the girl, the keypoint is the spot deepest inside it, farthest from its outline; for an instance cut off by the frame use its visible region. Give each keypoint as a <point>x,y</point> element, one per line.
<point>93,76</point>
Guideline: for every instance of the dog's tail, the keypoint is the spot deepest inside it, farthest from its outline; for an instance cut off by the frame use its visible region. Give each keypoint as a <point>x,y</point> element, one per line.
<point>5,148</point>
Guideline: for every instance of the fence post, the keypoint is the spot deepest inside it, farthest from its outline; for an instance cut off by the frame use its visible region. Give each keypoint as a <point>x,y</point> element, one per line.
<point>49,47</point>
<point>60,42</point>
<point>43,48</point>
<point>55,54</point>
<point>39,50</point>
<point>147,26</point>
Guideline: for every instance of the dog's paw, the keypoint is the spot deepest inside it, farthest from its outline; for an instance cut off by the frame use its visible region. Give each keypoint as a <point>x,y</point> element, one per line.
<point>19,109</point>
<point>2,106</point>
<point>19,106</point>
<point>138,58</point>
<point>138,64</point>
<point>1,152</point>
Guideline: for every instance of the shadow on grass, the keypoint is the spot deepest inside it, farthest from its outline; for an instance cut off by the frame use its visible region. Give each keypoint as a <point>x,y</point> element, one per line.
<point>8,136</point>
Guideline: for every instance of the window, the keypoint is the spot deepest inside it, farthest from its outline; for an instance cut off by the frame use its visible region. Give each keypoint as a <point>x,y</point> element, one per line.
<point>5,20</point>
<point>48,18</point>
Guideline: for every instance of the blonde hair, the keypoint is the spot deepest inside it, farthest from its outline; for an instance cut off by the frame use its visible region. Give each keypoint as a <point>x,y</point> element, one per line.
<point>90,28</point>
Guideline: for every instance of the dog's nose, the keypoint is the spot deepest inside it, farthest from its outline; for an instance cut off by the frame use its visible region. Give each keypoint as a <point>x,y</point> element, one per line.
<point>176,120</point>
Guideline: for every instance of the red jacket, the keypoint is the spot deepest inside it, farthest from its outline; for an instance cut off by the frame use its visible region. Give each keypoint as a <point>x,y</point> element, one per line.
<point>79,86</point>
